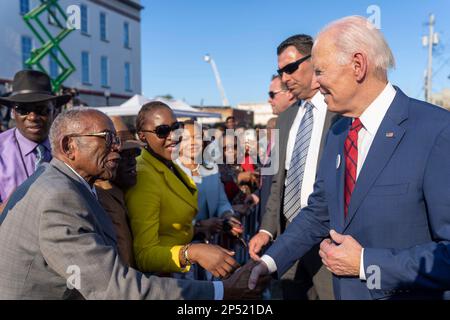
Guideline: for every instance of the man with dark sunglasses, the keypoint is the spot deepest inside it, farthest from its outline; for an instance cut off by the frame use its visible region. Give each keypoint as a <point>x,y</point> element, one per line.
<point>303,127</point>
<point>280,98</point>
<point>25,147</point>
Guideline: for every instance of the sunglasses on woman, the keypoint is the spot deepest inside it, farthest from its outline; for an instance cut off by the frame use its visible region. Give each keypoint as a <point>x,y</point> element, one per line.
<point>164,130</point>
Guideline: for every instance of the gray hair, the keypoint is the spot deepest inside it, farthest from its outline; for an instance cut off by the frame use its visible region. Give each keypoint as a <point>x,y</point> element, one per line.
<point>67,122</point>
<point>356,34</point>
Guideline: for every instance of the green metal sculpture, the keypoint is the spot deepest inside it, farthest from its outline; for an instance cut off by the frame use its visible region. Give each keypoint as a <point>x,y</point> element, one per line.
<point>50,44</point>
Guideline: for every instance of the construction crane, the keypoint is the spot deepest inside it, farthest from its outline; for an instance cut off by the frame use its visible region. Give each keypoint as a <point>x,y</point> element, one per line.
<point>210,60</point>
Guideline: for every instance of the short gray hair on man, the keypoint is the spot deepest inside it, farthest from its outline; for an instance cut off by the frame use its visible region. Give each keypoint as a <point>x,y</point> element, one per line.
<point>356,34</point>
<point>67,122</point>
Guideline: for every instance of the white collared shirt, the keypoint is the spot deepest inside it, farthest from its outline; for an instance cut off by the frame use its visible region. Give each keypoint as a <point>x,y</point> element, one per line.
<point>91,190</point>
<point>309,175</point>
<point>371,120</point>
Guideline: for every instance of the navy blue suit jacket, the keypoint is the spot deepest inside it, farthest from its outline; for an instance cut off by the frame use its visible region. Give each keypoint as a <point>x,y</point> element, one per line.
<point>399,210</point>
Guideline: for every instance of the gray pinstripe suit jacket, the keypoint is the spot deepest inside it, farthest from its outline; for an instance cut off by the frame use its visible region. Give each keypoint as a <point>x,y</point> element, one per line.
<point>53,225</point>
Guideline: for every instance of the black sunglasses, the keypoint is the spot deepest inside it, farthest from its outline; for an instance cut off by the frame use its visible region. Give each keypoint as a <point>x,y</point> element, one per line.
<point>110,137</point>
<point>272,94</point>
<point>39,110</point>
<point>292,67</point>
<point>164,130</point>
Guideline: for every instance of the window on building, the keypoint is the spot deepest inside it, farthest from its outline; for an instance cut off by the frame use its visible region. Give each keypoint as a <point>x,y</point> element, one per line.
<point>127,76</point>
<point>85,69</point>
<point>103,26</point>
<point>27,46</point>
<point>84,19</point>
<point>104,71</point>
<point>126,35</point>
<point>53,64</point>
<point>24,6</point>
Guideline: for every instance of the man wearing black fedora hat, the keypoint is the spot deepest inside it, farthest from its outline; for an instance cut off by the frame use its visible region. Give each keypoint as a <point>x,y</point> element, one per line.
<point>25,147</point>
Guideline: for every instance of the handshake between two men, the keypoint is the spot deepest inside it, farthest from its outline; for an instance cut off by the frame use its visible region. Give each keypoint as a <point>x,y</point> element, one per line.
<point>340,254</point>
<point>241,286</point>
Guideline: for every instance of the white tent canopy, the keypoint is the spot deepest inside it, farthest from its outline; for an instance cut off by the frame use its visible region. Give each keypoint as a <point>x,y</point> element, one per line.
<point>132,106</point>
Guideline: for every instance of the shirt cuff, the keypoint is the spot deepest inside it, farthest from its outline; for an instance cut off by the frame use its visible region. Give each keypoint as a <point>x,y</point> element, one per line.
<point>218,290</point>
<point>362,274</point>
<point>270,263</point>
<point>267,232</point>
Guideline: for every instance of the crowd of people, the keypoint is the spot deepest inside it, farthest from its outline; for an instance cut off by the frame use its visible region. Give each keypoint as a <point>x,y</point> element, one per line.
<point>350,175</point>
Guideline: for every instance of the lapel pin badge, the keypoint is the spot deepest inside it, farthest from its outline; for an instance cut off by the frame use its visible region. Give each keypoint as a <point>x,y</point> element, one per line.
<point>338,161</point>
<point>389,134</point>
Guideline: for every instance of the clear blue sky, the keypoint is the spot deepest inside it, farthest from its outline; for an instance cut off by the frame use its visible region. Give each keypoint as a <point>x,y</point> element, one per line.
<point>242,36</point>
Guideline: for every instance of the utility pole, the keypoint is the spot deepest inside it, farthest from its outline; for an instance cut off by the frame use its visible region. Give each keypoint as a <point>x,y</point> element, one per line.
<point>431,40</point>
<point>210,60</point>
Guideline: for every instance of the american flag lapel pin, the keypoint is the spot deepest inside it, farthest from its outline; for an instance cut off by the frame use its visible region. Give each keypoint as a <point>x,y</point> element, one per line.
<point>389,134</point>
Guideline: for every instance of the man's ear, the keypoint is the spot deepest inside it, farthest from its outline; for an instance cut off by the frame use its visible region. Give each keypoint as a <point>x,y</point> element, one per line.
<point>360,66</point>
<point>67,147</point>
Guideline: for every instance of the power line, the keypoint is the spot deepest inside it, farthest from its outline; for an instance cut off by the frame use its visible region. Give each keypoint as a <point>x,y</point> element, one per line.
<point>441,67</point>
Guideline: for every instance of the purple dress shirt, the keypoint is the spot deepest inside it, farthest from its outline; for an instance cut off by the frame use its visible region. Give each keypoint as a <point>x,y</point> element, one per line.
<point>17,160</point>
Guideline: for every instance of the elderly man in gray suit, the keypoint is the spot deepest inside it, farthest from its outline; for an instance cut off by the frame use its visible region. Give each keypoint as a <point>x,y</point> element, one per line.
<point>58,243</point>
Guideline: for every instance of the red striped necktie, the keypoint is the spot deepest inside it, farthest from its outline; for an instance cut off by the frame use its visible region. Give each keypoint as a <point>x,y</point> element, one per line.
<point>351,161</point>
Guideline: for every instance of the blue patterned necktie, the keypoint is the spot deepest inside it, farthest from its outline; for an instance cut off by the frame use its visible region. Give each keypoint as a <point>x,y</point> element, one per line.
<point>40,155</point>
<point>294,176</point>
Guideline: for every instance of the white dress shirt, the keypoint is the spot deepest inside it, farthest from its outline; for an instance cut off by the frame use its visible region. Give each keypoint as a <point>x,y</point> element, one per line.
<point>371,120</point>
<point>309,175</point>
